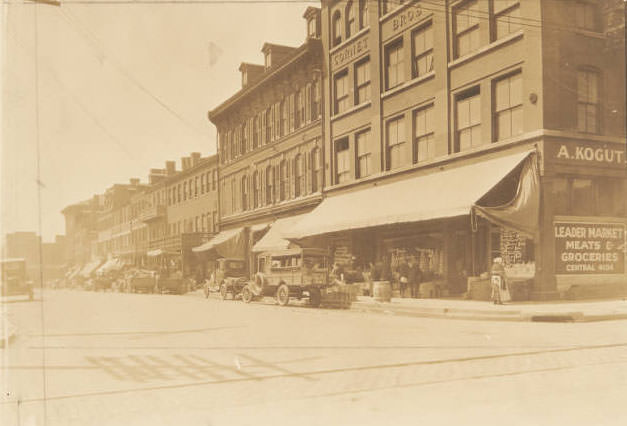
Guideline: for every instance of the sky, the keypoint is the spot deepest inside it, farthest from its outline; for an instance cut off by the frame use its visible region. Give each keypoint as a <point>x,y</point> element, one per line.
<point>121,89</point>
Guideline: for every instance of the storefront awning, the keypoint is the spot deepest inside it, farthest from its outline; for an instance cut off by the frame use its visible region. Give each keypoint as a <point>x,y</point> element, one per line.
<point>154,253</point>
<point>230,243</point>
<point>442,194</point>
<point>259,227</point>
<point>274,240</point>
<point>89,268</point>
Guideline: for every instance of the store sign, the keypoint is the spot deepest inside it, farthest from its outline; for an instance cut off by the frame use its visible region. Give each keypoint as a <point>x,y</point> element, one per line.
<point>349,52</point>
<point>406,18</point>
<point>587,153</point>
<point>589,248</point>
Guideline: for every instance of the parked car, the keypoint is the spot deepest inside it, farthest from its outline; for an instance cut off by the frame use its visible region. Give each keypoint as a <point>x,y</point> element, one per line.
<point>13,281</point>
<point>173,283</point>
<point>228,277</point>
<point>296,273</point>
<point>142,281</point>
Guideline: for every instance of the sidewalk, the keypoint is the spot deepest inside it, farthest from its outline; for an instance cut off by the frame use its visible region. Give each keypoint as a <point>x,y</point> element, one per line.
<point>555,311</point>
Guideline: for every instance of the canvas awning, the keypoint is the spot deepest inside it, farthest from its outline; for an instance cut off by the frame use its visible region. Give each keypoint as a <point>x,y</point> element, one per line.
<point>442,194</point>
<point>89,268</point>
<point>113,264</point>
<point>229,243</point>
<point>260,227</point>
<point>154,253</point>
<point>274,240</point>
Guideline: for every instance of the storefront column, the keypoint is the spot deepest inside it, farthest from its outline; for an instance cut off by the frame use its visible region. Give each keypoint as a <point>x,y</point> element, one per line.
<point>544,284</point>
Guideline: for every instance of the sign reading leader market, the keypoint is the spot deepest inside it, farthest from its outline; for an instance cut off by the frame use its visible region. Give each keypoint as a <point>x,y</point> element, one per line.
<point>589,248</point>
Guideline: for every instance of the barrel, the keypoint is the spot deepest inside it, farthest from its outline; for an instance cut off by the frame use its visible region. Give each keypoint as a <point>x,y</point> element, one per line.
<point>382,291</point>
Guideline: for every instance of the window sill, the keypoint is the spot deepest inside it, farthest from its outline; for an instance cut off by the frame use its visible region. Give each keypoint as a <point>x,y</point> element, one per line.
<point>348,41</point>
<point>485,49</point>
<point>590,33</point>
<point>351,110</point>
<point>408,84</point>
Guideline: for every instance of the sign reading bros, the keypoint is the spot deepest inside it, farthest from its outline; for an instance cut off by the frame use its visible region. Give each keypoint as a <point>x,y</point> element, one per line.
<point>589,248</point>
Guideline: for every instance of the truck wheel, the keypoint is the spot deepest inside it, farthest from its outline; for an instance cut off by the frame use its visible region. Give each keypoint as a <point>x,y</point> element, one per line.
<point>283,295</point>
<point>247,295</point>
<point>314,297</point>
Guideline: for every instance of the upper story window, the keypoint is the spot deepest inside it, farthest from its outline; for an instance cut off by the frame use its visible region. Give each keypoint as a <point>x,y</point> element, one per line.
<point>316,170</point>
<point>268,117</point>
<point>203,183</point>
<point>351,23</point>
<point>506,18</point>
<point>298,176</point>
<point>362,81</point>
<point>466,21</point>
<point>214,180</point>
<point>269,185</point>
<point>468,119</point>
<point>363,154</point>
<point>315,100</point>
<point>267,60</point>
<point>337,28</point>
<point>311,28</point>
<point>397,152</point>
<point>283,180</point>
<point>588,101</point>
<point>586,15</point>
<point>244,78</point>
<point>508,107</point>
<point>363,14</point>
<point>340,91</point>
<point>196,187</point>
<point>233,195</point>
<point>342,161</point>
<point>389,5</point>
<point>297,105</point>
<point>277,120</point>
<point>394,64</point>
<point>243,139</point>
<point>184,190</point>
<point>424,140</point>
<point>284,118</point>
<point>256,199</point>
<point>302,110</point>
<point>256,132</point>
<point>422,51</point>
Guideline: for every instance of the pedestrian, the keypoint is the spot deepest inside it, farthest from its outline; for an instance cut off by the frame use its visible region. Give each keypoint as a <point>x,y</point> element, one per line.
<point>500,289</point>
<point>403,273</point>
<point>414,278</point>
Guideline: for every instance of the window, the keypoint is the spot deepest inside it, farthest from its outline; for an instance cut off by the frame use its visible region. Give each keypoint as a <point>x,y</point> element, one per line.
<point>506,18</point>
<point>298,175</point>
<point>586,16</point>
<point>296,119</point>
<point>256,199</point>
<point>243,139</point>
<point>233,196</point>
<point>178,194</point>
<point>351,24</point>
<point>267,60</point>
<point>390,5</point>
<point>184,190</point>
<point>363,14</point>
<point>268,125</point>
<point>508,112</point>
<point>277,121</point>
<point>214,180</point>
<point>341,91</point>
<point>203,183</point>
<point>423,51</point>
<point>244,192</point>
<point>196,187</point>
<point>362,142</point>
<point>316,170</point>
<point>588,101</point>
<point>302,115</point>
<point>424,141</point>
<point>397,154</point>
<point>362,81</point>
<point>311,28</point>
<point>582,202</point>
<point>315,100</point>
<point>269,185</point>
<point>394,65</point>
<point>466,22</point>
<point>337,28</point>
<point>256,131</point>
<point>468,120</point>
<point>601,196</point>
<point>342,161</point>
<point>283,180</point>
<point>284,117</point>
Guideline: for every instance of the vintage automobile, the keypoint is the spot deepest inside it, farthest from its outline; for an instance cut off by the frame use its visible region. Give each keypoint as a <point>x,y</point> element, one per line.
<point>14,281</point>
<point>296,273</point>
<point>173,283</point>
<point>228,277</point>
<point>141,281</point>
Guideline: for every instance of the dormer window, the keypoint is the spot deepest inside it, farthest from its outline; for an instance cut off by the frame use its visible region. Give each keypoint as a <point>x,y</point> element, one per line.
<point>244,78</point>
<point>267,60</point>
<point>311,28</point>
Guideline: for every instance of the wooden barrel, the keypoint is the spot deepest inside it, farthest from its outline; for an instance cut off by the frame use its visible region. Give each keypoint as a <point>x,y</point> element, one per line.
<point>382,291</point>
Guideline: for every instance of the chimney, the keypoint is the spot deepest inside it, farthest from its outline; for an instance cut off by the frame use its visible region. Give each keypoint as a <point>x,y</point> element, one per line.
<point>170,167</point>
<point>156,175</point>
<point>195,158</point>
<point>185,163</point>
<point>134,181</point>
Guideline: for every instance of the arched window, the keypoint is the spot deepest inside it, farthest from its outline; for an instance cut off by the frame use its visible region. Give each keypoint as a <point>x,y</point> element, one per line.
<point>337,28</point>
<point>243,139</point>
<point>283,179</point>
<point>284,118</point>
<point>351,24</point>
<point>298,175</point>
<point>269,185</point>
<point>316,170</point>
<point>363,14</point>
<point>255,189</point>
<point>244,193</point>
<point>256,132</point>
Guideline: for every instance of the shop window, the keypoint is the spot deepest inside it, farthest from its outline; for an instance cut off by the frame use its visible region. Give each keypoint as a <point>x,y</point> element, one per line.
<point>316,170</point>
<point>506,18</point>
<point>364,156</point>
<point>337,28</point>
<point>582,203</point>
<point>363,14</point>
<point>397,153</point>
<point>342,161</point>
<point>468,120</point>
<point>466,21</point>
<point>362,81</point>
<point>611,197</point>
<point>351,23</point>
<point>283,180</point>
<point>588,101</point>
<point>422,51</point>
<point>269,185</point>
<point>424,139</point>
<point>340,91</point>
<point>586,16</point>
<point>508,107</point>
<point>394,64</point>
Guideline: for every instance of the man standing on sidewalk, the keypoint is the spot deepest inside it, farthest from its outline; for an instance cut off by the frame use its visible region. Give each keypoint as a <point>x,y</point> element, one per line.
<point>414,277</point>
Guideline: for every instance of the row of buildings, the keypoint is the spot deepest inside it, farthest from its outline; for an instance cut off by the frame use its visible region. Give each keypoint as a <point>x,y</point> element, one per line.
<point>445,133</point>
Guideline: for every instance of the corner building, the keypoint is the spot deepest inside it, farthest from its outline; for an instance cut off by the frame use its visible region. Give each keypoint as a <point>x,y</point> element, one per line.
<point>460,131</point>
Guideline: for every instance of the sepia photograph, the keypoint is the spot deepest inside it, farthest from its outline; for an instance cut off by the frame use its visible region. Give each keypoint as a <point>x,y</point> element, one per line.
<point>313,212</point>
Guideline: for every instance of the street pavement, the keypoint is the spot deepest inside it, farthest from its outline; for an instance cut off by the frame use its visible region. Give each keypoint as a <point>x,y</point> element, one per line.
<point>141,359</point>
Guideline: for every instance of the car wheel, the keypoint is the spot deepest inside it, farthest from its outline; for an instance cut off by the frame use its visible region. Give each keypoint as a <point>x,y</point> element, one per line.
<point>314,297</point>
<point>247,295</point>
<point>283,295</point>
<point>223,292</point>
